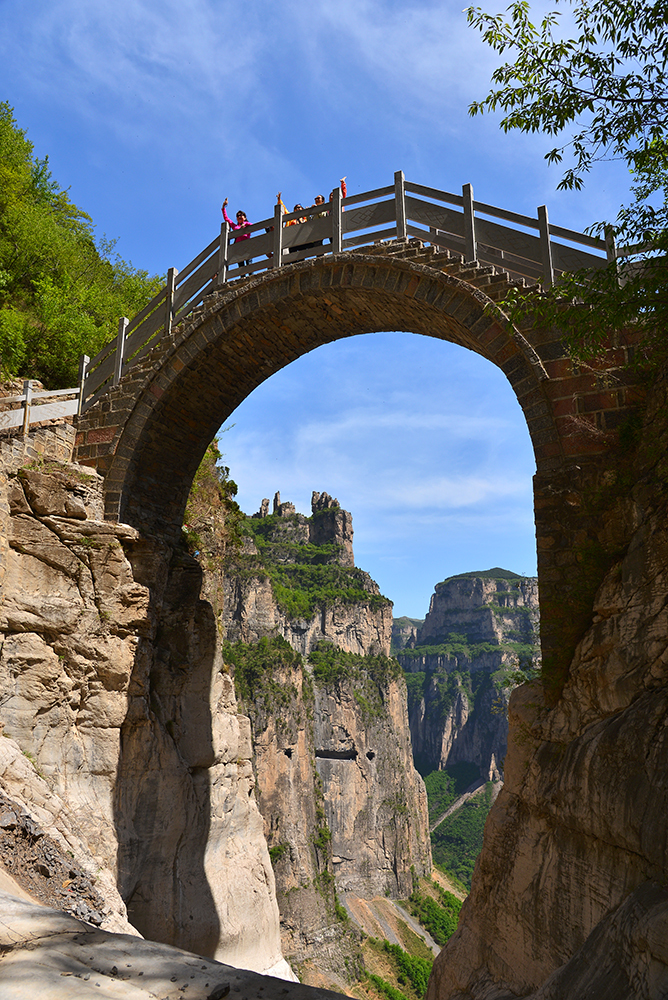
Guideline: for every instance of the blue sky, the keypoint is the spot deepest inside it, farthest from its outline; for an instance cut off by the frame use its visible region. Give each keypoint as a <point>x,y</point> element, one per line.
<point>152,113</point>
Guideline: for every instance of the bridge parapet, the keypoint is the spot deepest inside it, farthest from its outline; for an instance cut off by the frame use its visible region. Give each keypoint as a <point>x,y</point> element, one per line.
<point>530,248</point>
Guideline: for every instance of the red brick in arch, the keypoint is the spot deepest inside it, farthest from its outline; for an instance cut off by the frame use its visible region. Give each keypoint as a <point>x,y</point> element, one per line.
<point>148,434</point>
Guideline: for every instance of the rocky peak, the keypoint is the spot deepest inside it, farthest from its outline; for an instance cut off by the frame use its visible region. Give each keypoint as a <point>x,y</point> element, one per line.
<point>405,632</point>
<point>488,606</point>
<point>481,629</point>
<point>328,523</point>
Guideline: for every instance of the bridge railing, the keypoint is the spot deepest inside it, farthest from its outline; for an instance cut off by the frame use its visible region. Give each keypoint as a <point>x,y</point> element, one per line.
<point>529,247</point>
<point>34,406</point>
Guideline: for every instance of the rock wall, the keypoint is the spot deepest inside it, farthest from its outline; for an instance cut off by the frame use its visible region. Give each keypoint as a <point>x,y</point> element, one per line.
<point>250,611</point>
<point>246,603</point>
<point>111,682</point>
<point>458,710</point>
<point>375,802</point>
<point>568,896</point>
<point>484,609</point>
<point>344,809</point>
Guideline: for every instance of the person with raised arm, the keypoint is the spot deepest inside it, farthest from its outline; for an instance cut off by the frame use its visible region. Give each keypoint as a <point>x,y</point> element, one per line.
<point>344,191</point>
<point>238,227</point>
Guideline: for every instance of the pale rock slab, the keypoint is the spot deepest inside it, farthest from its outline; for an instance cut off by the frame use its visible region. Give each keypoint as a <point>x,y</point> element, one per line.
<point>110,679</point>
<point>47,954</point>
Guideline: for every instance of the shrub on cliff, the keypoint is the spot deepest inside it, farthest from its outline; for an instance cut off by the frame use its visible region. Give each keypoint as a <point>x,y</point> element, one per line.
<point>254,666</point>
<point>211,509</point>
<point>304,577</point>
<point>439,918</point>
<point>332,665</point>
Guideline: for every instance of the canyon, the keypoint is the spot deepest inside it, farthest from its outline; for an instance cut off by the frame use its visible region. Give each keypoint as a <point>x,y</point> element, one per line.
<point>185,814</point>
<point>115,694</point>
<point>344,810</point>
<point>112,666</point>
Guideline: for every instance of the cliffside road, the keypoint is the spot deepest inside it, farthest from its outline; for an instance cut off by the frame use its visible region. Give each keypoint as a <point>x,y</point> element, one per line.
<point>378,918</point>
<point>472,790</point>
<point>475,789</point>
<point>418,929</point>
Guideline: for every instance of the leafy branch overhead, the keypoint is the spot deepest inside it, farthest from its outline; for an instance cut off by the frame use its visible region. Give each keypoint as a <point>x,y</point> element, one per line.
<point>598,77</point>
<point>612,73</point>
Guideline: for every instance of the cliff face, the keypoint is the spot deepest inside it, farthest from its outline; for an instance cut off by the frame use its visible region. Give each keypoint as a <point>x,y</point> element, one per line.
<point>344,810</point>
<point>484,608</point>
<point>375,802</point>
<point>574,862</point>
<point>111,682</point>
<point>249,611</point>
<point>479,630</point>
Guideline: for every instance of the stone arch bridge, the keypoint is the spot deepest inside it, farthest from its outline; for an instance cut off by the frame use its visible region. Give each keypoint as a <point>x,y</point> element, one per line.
<point>148,433</point>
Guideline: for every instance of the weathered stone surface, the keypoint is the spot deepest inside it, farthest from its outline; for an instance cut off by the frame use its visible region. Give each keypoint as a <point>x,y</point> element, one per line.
<point>375,801</point>
<point>453,720</point>
<point>580,825</point>
<point>485,610</point>
<point>50,955</point>
<point>111,680</point>
<point>29,802</point>
<point>624,958</point>
<point>342,804</point>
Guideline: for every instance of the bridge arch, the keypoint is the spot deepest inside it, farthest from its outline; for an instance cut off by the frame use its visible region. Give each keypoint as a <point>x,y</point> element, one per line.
<point>147,434</point>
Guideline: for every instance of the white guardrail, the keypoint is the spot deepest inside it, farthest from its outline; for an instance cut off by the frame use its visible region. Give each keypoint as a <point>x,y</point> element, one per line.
<point>529,247</point>
<point>31,407</point>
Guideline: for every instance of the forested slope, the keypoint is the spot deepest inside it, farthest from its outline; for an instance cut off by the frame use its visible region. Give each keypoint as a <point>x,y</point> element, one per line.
<point>62,288</point>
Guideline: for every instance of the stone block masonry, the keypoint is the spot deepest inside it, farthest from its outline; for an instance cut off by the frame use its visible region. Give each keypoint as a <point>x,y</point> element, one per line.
<point>148,434</point>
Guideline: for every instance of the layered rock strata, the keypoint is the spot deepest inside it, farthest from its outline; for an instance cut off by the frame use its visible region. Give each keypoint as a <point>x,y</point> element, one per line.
<point>249,608</point>
<point>574,862</point>
<point>478,632</point>
<point>112,684</point>
<point>343,807</point>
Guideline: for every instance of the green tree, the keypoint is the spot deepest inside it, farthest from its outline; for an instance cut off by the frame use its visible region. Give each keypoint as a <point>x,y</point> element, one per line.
<point>61,290</point>
<point>603,90</point>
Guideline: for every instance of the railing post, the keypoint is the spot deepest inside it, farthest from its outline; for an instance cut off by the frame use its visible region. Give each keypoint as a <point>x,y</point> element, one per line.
<point>337,221</point>
<point>470,248</point>
<point>27,392</point>
<point>120,349</point>
<point>169,304</point>
<point>222,252</point>
<point>545,246</point>
<point>84,361</point>
<point>278,236</point>
<point>610,244</point>
<point>611,249</point>
<point>400,204</point>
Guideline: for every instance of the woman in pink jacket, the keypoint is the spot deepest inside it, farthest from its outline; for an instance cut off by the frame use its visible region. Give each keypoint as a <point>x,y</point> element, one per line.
<point>242,226</point>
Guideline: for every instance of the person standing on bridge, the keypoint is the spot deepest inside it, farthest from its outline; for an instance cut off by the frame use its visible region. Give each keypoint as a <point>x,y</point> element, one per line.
<point>242,223</point>
<point>321,201</point>
<point>344,191</point>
